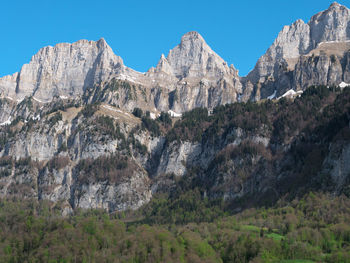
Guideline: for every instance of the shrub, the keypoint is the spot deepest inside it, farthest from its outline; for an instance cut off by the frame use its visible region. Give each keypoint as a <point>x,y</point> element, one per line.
<point>150,125</point>
<point>137,112</point>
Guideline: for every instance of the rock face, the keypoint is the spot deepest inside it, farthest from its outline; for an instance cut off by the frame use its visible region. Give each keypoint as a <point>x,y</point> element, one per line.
<point>287,64</point>
<point>67,135</point>
<point>192,59</point>
<point>69,70</point>
<point>195,76</point>
<point>63,70</point>
<point>46,161</point>
<point>192,75</point>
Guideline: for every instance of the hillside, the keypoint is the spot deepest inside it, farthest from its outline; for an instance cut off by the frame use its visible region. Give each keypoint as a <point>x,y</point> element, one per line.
<point>99,156</point>
<point>187,162</point>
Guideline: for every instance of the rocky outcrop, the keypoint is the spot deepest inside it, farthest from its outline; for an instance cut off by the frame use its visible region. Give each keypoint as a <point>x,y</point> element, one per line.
<point>287,63</point>
<point>192,75</point>
<point>176,156</point>
<point>194,59</point>
<point>204,78</point>
<point>42,159</point>
<point>99,156</point>
<point>337,165</point>
<point>77,70</point>
<point>63,70</point>
<point>67,134</point>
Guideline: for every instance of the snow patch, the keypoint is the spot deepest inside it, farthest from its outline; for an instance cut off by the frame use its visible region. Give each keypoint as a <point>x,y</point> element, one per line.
<point>174,114</point>
<point>63,97</point>
<point>125,77</point>
<point>115,110</point>
<point>41,100</point>
<point>272,96</point>
<point>36,118</point>
<point>291,93</point>
<point>110,108</point>
<point>327,42</point>
<point>153,116</point>
<point>343,84</point>
<point>8,122</point>
<point>128,78</point>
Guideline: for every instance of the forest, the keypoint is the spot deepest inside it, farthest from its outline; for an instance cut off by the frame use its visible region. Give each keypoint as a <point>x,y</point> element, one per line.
<point>314,228</point>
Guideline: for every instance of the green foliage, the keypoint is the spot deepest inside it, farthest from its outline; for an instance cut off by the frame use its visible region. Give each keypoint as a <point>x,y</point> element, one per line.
<point>182,208</point>
<point>105,168</point>
<point>191,125</point>
<point>185,225</point>
<point>284,118</point>
<point>32,231</point>
<point>165,118</point>
<point>106,126</point>
<point>63,147</point>
<point>150,125</point>
<point>89,110</point>
<point>57,163</point>
<point>137,112</point>
<point>54,119</point>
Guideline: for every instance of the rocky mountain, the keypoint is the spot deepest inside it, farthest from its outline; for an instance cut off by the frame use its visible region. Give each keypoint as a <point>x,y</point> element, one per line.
<point>305,54</point>
<point>82,130</point>
<point>192,74</point>
<point>63,70</point>
<point>99,156</point>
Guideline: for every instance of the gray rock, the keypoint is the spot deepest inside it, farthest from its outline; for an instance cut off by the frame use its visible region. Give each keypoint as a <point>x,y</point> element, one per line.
<point>63,70</point>
<point>287,64</point>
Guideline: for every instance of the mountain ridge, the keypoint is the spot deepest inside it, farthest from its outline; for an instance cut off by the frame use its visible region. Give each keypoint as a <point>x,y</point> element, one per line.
<point>89,132</point>
<point>283,65</point>
<point>56,71</point>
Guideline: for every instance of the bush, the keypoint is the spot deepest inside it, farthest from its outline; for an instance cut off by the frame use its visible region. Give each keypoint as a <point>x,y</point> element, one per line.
<point>111,168</point>
<point>55,118</point>
<point>150,125</point>
<point>165,118</point>
<point>137,112</point>
<point>89,110</point>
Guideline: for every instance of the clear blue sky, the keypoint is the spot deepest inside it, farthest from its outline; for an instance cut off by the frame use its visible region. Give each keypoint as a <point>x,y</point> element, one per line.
<point>140,31</point>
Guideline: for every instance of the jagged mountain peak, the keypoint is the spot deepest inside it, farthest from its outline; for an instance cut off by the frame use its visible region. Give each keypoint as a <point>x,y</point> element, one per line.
<point>332,24</point>
<point>335,11</point>
<point>194,59</point>
<point>300,38</point>
<point>192,36</point>
<point>83,46</point>
<point>336,5</point>
<point>63,69</point>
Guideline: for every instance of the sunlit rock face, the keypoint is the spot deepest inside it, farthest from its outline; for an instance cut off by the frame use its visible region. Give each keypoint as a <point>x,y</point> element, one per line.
<point>65,69</point>
<point>305,54</point>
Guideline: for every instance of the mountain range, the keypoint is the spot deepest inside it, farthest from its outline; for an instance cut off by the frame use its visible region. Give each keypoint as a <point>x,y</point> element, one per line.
<point>303,54</point>
<point>81,129</point>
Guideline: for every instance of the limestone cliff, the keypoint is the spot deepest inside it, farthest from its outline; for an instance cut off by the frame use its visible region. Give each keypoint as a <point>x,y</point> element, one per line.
<point>287,63</point>
<point>199,76</point>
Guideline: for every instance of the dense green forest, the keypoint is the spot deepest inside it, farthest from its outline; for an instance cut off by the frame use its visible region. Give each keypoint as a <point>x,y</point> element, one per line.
<point>314,228</point>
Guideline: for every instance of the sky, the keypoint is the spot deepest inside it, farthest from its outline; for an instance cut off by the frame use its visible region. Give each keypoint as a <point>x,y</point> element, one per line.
<point>140,31</point>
